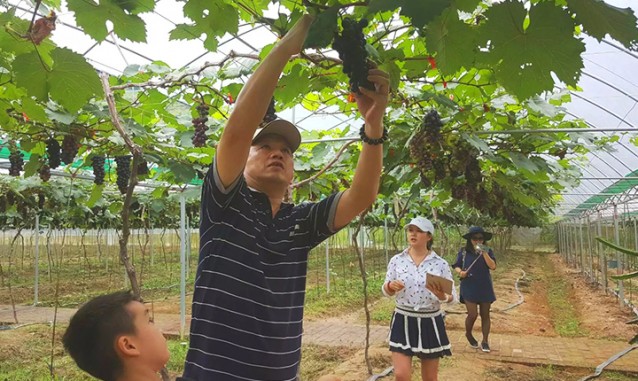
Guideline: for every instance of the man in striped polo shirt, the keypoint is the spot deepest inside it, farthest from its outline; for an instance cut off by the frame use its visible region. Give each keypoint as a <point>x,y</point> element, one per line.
<point>250,285</point>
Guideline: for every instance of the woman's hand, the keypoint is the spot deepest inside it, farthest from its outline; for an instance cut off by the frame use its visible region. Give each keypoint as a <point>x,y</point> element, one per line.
<point>396,286</point>
<point>463,274</point>
<point>437,291</point>
<point>371,103</point>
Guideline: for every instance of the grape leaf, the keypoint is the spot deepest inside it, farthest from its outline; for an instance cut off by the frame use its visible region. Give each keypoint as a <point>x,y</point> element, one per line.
<point>382,5</point>
<point>322,29</point>
<point>422,12</point>
<point>526,57</point>
<point>211,17</point>
<point>92,17</point>
<point>70,82</point>
<point>467,5</point>
<point>453,41</point>
<point>599,19</point>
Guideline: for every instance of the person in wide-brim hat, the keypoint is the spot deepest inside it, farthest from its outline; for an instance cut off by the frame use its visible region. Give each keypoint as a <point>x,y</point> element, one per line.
<point>476,230</point>
<point>473,264</point>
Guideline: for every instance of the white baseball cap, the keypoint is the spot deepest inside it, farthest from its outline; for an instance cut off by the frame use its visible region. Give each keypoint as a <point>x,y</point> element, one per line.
<point>422,223</point>
<point>283,128</point>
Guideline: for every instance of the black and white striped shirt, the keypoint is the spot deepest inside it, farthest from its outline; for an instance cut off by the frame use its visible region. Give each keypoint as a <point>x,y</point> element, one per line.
<point>250,285</point>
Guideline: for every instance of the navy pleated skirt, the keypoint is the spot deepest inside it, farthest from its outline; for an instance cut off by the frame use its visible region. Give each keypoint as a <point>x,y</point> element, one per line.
<point>420,334</point>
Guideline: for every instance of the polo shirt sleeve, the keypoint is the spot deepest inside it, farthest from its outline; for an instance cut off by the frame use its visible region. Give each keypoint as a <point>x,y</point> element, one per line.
<point>216,197</point>
<point>319,222</point>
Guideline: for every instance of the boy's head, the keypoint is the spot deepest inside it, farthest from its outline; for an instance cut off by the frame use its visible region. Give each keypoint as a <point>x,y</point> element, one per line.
<point>110,333</point>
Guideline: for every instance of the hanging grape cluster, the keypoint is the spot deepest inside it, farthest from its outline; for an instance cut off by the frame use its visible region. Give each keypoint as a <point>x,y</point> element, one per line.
<point>271,113</point>
<point>425,148</point>
<point>97,162</point>
<point>123,171</point>
<point>53,152</point>
<point>351,46</point>
<point>45,172</point>
<point>199,138</point>
<point>70,148</point>
<point>16,161</point>
<point>452,158</point>
<point>142,168</point>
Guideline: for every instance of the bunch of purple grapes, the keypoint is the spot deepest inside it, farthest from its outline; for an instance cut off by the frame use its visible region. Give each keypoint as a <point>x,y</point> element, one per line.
<point>351,46</point>
<point>53,152</point>
<point>199,138</point>
<point>16,161</point>
<point>123,171</point>
<point>98,169</point>
<point>70,148</point>
<point>45,172</point>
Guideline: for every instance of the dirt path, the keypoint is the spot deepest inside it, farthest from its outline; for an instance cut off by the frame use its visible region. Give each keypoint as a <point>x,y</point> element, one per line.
<point>558,302</point>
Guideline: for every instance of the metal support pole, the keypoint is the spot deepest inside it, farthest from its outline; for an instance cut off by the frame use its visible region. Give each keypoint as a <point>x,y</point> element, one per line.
<point>37,259</point>
<point>385,238</point>
<point>621,293</point>
<point>590,250</point>
<point>601,253</point>
<point>581,245</point>
<point>182,257</point>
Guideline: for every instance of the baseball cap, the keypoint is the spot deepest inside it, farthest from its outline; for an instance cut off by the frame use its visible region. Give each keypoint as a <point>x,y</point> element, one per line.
<point>283,128</point>
<point>422,223</point>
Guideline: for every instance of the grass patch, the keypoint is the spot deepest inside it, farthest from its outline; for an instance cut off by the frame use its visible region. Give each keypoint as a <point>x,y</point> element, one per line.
<point>25,355</point>
<point>563,313</point>
<point>317,361</point>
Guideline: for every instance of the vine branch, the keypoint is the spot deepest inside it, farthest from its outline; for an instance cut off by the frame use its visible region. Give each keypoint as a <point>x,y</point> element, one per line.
<point>324,169</point>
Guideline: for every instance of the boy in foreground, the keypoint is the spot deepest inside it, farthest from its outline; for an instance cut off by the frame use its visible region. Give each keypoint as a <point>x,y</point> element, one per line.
<point>113,338</point>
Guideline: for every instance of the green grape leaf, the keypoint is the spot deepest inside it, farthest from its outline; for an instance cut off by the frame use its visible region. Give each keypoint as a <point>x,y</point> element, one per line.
<point>96,195</point>
<point>600,19</point>
<point>71,81</point>
<point>322,29</point>
<point>526,57</point>
<point>92,17</point>
<point>33,110</point>
<point>422,12</point>
<point>376,6</point>
<point>31,75</point>
<point>453,41</point>
<point>467,5</point>
<point>214,18</point>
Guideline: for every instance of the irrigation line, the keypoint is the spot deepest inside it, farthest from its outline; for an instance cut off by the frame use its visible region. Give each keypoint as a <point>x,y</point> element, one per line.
<point>521,298</point>
<point>386,372</point>
<point>599,368</point>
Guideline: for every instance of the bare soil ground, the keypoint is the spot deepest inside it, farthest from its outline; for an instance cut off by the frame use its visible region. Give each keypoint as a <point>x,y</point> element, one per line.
<point>599,316</point>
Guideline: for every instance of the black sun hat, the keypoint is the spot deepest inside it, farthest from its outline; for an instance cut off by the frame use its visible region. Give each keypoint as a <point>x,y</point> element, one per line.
<point>478,230</point>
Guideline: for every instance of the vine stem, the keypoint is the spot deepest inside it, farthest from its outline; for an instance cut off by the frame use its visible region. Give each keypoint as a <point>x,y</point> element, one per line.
<point>330,164</point>
<point>137,156</point>
<point>364,278</point>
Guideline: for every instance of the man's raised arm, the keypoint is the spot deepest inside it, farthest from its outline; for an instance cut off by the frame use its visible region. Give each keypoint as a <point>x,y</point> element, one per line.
<point>367,175</point>
<point>253,102</point>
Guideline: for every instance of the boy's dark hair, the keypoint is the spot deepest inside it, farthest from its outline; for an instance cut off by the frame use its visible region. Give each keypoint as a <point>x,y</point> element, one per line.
<point>90,337</point>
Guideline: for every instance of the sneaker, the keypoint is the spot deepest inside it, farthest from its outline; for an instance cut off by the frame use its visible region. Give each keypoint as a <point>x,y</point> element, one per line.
<point>485,347</point>
<point>473,343</point>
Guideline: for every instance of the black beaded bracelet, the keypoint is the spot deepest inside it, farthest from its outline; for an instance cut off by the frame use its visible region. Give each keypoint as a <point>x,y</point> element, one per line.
<point>374,142</point>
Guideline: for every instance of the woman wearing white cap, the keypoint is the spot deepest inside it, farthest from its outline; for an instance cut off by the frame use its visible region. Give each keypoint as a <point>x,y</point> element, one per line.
<point>417,327</point>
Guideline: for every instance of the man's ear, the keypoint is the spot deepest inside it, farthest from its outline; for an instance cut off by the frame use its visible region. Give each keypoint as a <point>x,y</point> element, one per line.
<point>126,346</point>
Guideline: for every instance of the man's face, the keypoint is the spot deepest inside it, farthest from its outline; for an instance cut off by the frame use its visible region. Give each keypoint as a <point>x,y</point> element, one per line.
<point>270,161</point>
<point>148,338</point>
